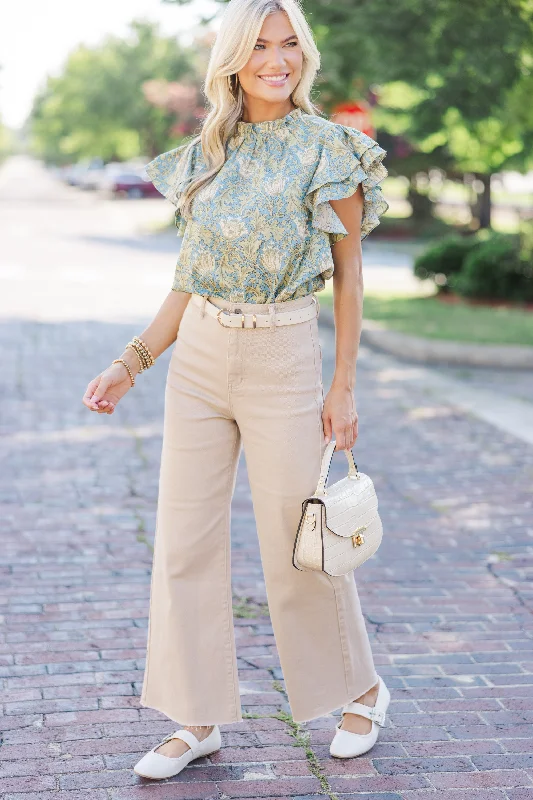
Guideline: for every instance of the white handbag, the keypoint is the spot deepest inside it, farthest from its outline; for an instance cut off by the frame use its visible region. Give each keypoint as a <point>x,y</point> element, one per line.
<point>340,527</point>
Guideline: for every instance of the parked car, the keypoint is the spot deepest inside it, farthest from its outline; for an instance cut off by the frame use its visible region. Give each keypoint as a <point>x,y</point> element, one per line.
<point>90,177</point>
<point>112,169</point>
<point>84,173</point>
<point>72,174</point>
<point>129,184</point>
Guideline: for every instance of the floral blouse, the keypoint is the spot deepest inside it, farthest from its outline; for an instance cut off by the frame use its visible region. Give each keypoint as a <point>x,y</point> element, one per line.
<point>261,231</point>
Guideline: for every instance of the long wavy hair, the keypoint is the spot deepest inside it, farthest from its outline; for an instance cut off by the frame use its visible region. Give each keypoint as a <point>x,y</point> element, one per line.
<point>231,51</point>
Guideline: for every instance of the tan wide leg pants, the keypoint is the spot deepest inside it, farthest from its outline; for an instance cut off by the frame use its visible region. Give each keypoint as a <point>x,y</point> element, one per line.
<point>261,388</point>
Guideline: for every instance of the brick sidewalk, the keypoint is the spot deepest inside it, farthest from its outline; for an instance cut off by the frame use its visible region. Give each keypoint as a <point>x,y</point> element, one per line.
<point>446,598</point>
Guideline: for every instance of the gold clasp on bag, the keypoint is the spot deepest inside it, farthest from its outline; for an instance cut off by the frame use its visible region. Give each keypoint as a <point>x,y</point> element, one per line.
<point>357,536</point>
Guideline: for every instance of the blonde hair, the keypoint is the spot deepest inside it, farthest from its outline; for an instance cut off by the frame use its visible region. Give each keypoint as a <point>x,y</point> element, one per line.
<point>231,51</point>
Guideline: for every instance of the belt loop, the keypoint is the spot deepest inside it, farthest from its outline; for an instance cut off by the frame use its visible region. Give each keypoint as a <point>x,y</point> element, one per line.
<point>271,311</point>
<point>202,309</point>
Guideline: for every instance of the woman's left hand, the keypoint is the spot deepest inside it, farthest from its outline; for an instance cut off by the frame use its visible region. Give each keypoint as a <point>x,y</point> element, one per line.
<point>339,417</point>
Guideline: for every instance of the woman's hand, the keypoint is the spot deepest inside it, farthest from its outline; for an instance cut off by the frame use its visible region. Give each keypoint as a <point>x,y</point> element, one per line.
<point>339,417</point>
<point>104,392</point>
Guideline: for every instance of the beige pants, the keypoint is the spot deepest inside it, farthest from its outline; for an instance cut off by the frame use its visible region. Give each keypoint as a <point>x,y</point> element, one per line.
<point>260,387</point>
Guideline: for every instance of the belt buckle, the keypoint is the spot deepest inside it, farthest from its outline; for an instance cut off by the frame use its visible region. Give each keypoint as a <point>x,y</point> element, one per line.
<point>219,320</point>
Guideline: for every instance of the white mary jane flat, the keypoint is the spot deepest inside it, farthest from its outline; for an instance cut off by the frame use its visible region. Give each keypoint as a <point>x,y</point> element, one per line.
<point>346,744</point>
<point>157,766</point>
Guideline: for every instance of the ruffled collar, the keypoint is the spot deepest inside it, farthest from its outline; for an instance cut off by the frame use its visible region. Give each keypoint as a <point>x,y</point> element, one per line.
<point>270,125</point>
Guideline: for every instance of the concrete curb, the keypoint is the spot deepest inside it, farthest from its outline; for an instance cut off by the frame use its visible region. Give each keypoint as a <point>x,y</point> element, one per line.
<point>439,351</point>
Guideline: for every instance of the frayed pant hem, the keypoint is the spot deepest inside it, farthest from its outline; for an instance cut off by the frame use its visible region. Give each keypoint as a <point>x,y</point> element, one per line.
<point>182,721</point>
<point>342,702</point>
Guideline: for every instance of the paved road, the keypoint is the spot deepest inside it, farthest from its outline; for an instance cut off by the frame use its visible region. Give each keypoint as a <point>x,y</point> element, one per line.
<point>448,598</point>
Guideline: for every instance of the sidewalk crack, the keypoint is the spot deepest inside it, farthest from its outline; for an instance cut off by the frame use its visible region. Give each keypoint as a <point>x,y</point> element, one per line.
<point>302,739</point>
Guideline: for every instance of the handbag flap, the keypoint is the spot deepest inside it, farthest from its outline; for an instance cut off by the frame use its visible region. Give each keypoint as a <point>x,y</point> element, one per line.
<point>350,505</point>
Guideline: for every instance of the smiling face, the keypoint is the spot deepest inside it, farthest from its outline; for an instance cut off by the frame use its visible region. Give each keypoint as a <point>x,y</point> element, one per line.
<point>275,66</point>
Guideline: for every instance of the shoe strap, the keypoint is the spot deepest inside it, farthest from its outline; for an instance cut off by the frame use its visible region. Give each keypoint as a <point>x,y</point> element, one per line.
<point>369,712</point>
<point>188,737</point>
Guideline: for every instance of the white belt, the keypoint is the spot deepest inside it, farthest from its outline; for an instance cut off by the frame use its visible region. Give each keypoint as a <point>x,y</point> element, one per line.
<point>250,320</point>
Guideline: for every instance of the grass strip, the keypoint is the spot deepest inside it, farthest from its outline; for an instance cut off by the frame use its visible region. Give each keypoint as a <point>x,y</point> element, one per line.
<point>434,319</point>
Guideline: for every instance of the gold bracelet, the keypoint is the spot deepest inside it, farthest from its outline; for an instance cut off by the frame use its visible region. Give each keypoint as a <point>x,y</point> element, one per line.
<point>130,373</point>
<point>145,357</point>
<point>146,351</point>
<point>142,363</point>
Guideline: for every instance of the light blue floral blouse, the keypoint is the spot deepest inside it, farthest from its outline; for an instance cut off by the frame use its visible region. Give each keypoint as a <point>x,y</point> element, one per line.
<point>261,231</point>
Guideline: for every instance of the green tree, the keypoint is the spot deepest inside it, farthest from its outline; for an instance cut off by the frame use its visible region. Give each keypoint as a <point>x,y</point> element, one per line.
<point>451,78</point>
<point>104,104</point>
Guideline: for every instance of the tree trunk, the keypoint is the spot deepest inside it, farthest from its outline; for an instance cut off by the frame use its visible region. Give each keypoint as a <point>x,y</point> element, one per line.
<point>485,204</point>
<point>421,204</point>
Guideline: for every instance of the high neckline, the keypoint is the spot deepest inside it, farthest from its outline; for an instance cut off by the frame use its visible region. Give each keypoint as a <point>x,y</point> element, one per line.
<point>268,124</point>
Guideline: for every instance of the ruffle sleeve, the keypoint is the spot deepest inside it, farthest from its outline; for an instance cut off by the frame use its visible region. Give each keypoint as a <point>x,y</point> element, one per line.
<point>348,158</point>
<point>170,172</point>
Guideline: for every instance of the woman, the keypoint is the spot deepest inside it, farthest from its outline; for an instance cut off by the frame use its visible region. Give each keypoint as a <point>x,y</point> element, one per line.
<point>271,199</point>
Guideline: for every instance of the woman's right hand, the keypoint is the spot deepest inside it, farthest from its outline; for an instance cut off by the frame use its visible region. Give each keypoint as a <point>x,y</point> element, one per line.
<point>104,392</point>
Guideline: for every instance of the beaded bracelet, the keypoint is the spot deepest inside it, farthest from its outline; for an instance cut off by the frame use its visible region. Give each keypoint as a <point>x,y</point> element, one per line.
<point>141,356</point>
<point>146,359</point>
<point>130,373</point>
<point>143,346</point>
<point>142,365</point>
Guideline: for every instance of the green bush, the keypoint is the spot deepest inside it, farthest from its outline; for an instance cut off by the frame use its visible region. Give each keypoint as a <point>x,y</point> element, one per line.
<point>444,260</point>
<point>496,270</point>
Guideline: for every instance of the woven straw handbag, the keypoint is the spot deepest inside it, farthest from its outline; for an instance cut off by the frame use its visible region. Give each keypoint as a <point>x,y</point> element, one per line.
<point>340,527</point>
